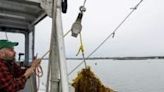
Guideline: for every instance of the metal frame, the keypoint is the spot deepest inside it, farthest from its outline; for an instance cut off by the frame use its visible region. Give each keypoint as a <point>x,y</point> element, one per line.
<point>20,14</point>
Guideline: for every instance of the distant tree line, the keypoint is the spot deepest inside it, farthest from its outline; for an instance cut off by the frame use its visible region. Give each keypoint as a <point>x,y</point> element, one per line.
<point>120,58</point>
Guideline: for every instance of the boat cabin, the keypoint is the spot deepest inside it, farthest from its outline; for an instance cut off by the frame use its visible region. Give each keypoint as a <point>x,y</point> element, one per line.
<point>20,17</point>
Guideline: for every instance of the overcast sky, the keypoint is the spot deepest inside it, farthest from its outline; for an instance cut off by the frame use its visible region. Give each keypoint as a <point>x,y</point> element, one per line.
<point>140,35</point>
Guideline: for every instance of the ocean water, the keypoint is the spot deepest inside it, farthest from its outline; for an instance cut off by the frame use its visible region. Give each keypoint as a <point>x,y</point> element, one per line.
<point>121,75</point>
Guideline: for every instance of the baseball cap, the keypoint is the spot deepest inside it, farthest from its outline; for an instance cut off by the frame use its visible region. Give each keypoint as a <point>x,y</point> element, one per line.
<point>7,44</point>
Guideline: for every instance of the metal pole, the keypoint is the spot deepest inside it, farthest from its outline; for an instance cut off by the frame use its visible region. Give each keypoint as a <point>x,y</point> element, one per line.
<point>61,48</point>
<point>57,52</point>
<point>53,56</point>
<point>26,48</point>
<point>29,53</point>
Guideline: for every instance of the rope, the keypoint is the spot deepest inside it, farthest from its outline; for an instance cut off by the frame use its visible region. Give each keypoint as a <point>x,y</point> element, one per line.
<point>39,70</point>
<point>110,35</point>
<point>49,50</point>
<point>82,51</point>
<point>38,73</point>
<point>67,33</point>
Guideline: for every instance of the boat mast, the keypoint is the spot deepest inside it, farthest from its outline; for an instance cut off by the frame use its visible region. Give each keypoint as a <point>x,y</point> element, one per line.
<point>58,73</point>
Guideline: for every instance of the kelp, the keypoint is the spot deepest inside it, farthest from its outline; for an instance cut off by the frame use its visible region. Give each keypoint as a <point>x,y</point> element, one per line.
<point>86,81</point>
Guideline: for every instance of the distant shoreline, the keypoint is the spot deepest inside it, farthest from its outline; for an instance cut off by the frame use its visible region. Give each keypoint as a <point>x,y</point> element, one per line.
<point>117,58</point>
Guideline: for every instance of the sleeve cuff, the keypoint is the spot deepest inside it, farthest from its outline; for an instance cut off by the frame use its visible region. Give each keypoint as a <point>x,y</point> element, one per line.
<point>24,78</point>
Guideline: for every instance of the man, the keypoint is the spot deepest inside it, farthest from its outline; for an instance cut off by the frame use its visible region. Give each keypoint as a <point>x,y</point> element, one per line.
<point>12,77</point>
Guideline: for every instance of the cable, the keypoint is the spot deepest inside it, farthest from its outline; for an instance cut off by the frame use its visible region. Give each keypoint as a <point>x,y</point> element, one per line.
<point>6,36</point>
<point>110,35</point>
<point>84,2</point>
<point>49,50</point>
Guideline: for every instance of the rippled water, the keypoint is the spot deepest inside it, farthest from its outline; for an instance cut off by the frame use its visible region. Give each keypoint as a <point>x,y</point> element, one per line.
<point>125,76</point>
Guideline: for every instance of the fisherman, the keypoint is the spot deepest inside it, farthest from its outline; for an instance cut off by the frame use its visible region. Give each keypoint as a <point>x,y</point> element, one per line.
<point>12,77</point>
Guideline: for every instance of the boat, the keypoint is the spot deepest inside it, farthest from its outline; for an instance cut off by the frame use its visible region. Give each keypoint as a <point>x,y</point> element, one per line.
<point>20,17</point>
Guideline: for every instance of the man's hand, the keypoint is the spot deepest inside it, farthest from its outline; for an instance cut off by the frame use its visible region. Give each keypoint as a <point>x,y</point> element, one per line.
<point>29,72</point>
<point>36,63</point>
